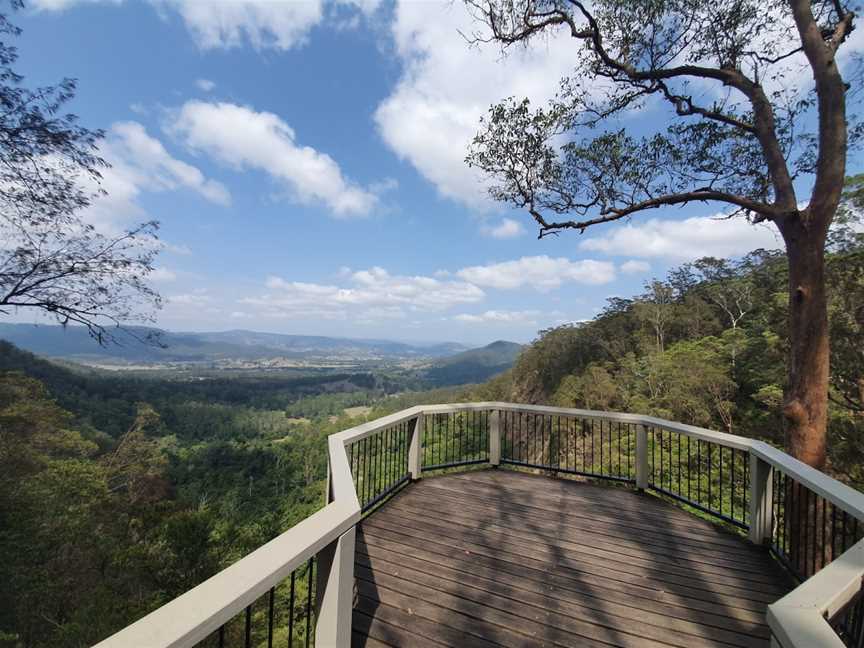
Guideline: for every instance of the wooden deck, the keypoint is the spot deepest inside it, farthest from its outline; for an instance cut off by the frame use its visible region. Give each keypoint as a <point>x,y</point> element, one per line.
<point>500,558</point>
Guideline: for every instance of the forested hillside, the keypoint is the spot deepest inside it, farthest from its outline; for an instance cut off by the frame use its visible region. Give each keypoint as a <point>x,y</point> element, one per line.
<point>120,493</point>
<point>475,365</point>
<point>707,345</point>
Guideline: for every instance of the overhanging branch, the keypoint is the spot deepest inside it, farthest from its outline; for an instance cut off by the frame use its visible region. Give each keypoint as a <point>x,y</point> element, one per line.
<point>611,214</point>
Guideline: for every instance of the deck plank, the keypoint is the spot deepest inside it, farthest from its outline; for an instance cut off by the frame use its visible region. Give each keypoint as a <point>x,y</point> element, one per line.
<point>500,558</point>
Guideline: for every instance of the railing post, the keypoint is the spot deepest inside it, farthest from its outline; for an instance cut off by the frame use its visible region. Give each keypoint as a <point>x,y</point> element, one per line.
<point>761,498</point>
<point>495,438</point>
<point>335,592</point>
<point>415,450</point>
<point>641,457</point>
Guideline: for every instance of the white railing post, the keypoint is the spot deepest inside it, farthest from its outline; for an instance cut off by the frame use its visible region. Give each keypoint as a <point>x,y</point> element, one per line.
<point>495,438</point>
<point>335,592</point>
<point>415,450</point>
<point>641,457</point>
<point>761,498</point>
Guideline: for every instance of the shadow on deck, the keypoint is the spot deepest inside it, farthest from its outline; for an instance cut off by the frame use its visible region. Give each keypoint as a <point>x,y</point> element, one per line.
<point>501,558</point>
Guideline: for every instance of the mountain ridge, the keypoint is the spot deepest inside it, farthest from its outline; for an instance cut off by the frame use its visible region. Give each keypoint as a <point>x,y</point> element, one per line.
<point>73,342</point>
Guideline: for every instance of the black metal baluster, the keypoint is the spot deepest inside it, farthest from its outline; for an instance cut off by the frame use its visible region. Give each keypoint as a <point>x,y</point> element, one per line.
<point>788,512</point>
<point>379,477</point>
<point>309,580</point>
<point>777,510</point>
<point>720,481</point>
<point>459,432</point>
<point>222,636</point>
<point>291,611</point>
<point>406,444</point>
<point>671,465</point>
<point>710,452</point>
<point>689,470</point>
<point>607,463</point>
<point>392,454</point>
<point>652,442</point>
<point>365,458</point>
<point>845,533</point>
<point>270,617</point>
<point>385,460</point>
<point>248,636</point>
<point>533,454</point>
<point>824,542</point>
<point>558,445</point>
<point>454,439</point>
<point>699,471</point>
<point>812,507</point>
<point>732,483</point>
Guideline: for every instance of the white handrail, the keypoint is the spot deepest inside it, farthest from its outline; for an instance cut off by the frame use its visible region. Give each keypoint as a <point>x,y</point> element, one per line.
<point>193,616</point>
<point>800,619</point>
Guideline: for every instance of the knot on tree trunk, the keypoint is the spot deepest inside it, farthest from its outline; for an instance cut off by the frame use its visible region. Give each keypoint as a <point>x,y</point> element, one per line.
<point>794,412</point>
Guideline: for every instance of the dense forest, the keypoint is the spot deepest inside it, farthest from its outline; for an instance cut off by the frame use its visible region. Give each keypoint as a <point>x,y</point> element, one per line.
<point>119,493</point>
<point>707,345</point>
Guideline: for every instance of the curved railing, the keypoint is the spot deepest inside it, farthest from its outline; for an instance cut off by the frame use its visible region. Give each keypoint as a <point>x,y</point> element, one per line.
<point>298,588</point>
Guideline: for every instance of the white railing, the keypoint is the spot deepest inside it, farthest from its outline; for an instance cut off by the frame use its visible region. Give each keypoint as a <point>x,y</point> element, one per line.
<point>801,619</point>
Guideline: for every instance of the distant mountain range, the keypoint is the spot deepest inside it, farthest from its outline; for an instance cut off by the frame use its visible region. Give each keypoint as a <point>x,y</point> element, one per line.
<point>74,343</point>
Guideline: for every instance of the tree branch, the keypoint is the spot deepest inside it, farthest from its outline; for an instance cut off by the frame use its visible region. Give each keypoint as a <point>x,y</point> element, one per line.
<point>609,215</point>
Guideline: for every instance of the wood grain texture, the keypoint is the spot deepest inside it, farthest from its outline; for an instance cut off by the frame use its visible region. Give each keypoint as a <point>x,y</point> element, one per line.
<point>501,558</point>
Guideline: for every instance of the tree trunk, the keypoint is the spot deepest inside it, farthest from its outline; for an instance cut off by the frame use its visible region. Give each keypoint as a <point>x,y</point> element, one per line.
<point>806,402</point>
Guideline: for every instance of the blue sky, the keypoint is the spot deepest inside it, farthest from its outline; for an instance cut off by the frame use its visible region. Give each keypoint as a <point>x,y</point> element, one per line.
<point>305,163</point>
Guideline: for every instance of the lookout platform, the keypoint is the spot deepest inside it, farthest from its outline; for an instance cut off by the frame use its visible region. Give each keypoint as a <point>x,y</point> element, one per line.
<point>502,558</point>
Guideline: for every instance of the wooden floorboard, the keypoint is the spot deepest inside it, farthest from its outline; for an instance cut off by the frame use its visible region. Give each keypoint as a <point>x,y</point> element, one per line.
<point>502,558</point>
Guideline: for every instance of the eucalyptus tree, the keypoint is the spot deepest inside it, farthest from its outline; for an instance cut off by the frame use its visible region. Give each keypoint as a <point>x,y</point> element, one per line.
<point>756,121</point>
<point>52,258</point>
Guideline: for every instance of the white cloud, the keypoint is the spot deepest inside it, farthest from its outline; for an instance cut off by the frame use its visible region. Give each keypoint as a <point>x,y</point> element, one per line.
<point>685,239</point>
<point>244,138</point>
<point>508,228</point>
<point>501,317</point>
<point>205,85</point>
<point>264,24</point>
<point>176,248</point>
<point>148,156</point>
<point>162,275</point>
<point>447,85</point>
<point>540,272</point>
<point>196,299</point>
<point>277,24</point>
<point>635,267</point>
<point>140,164</point>
<point>369,294</point>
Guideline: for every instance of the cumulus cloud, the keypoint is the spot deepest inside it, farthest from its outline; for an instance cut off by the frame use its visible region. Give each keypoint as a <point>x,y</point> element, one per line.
<point>686,239</point>
<point>446,86</point>
<point>263,24</point>
<point>635,267</point>
<point>372,293</point>
<point>139,164</point>
<point>540,272</point>
<point>506,229</point>
<point>244,138</point>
